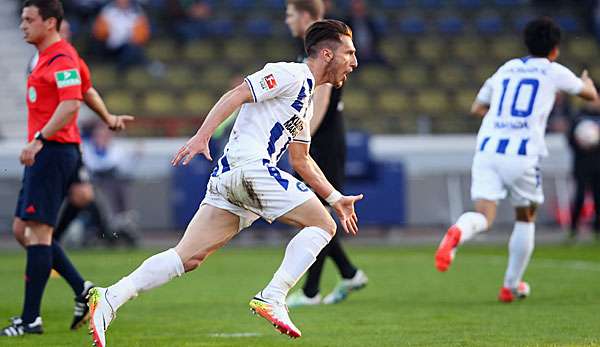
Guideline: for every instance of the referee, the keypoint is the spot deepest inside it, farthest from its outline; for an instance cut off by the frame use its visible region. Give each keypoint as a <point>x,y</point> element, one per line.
<point>55,89</point>
<point>328,149</point>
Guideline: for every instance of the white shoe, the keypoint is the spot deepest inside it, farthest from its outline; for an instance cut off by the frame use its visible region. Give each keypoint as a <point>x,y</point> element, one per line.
<point>345,287</point>
<point>276,313</point>
<point>101,313</point>
<point>298,299</point>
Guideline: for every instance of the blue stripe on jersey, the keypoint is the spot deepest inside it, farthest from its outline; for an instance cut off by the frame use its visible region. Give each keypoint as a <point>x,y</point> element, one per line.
<point>276,133</point>
<point>523,147</point>
<point>299,102</point>
<point>525,59</point>
<point>215,171</point>
<point>251,88</point>
<point>502,144</point>
<point>483,143</point>
<point>225,164</point>
<point>310,84</point>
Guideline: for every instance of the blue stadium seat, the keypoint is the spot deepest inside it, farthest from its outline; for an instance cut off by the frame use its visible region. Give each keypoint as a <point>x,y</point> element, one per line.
<point>431,3</point>
<point>241,5</point>
<point>469,4</point>
<point>489,24</point>
<point>259,27</point>
<point>568,23</point>
<point>450,24</point>
<point>274,4</point>
<point>509,2</point>
<point>412,25</point>
<point>393,4</point>
<point>221,27</point>
<point>521,21</point>
<point>381,25</point>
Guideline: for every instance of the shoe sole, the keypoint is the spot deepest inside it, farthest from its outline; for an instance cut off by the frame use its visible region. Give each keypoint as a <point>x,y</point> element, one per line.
<point>82,322</point>
<point>94,297</point>
<point>443,255</point>
<point>257,308</point>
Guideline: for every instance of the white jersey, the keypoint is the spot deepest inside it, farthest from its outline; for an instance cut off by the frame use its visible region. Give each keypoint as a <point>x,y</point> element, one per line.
<point>280,115</point>
<point>521,95</point>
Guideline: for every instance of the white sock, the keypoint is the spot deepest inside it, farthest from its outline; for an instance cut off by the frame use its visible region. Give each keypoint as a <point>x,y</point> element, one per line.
<point>470,224</point>
<point>154,271</point>
<point>520,247</point>
<point>300,253</point>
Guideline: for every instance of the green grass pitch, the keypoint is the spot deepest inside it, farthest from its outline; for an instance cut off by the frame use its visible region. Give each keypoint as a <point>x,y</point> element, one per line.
<point>407,303</point>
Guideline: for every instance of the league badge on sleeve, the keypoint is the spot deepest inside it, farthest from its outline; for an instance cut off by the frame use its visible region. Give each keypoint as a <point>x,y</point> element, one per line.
<point>67,78</point>
<point>268,82</point>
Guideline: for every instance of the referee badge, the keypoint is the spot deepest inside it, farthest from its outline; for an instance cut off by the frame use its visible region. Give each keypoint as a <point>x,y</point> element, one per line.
<point>67,78</point>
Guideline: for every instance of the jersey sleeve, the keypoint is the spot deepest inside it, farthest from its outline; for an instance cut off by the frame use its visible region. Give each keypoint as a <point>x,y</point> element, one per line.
<point>304,135</point>
<point>485,93</point>
<point>565,80</point>
<point>272,81</point>
<point>86,76</point>
<point>65,73</point>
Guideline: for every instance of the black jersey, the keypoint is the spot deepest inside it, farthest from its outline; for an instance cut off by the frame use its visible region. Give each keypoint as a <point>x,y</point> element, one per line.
<point>328,144</point>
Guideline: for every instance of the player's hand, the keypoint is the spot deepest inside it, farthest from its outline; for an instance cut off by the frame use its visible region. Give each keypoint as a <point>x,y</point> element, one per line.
<point>344,208</point>
<point>584,75</point>
<point>28,153</point>
<point>118,122</point>
<point>197,144</point>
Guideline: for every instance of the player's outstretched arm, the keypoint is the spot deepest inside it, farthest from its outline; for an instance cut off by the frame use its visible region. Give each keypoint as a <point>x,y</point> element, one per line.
<point>588,92</point>
<point>224,108</point>
<point>94,101</point>
<point>308,169</point>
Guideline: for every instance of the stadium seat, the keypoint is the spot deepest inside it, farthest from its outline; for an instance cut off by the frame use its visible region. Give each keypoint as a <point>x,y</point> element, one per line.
<point>221,27</point>
<point>200,51</point>
<point>259,27</point>
<point>139,78</point>
<point>468,48</point>
<point>584,49</point>
<point>393,4</point>
<point>521,20</point>
<point>357,101</point>
<point>163,50</point>
<point>594,72</point>
<point>507,47</point>
<point>121,101</point>
<point>568,23</point>
<point>394,102</point>
<point>412,75</point>
<point>393,49</point>
<point>374,76</point>
<point>180,76</point>
<point>160,103</point>
<point>451,75</point>
<point>489,24</point>
<point>240,5</point>
<point>412,25</point>
<point>450,24</point>
<point>197,103</point>
<point>104,76</point>
<point>277,50</point>
<point>463,99</point>
<point>432,102</point>
<point>430,49</point>
<point>482,72</point>
<point>239,51</point>
<point>469,4</point>
<point>217,77</point>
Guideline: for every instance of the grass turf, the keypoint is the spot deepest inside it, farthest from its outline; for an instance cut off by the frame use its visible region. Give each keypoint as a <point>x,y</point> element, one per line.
<point>407,303</point>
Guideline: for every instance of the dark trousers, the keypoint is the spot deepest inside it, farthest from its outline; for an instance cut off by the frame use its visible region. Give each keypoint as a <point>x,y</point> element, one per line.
<point>585,181</point>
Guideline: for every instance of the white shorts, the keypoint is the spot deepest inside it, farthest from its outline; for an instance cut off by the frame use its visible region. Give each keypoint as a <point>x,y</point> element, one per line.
<point>255,190</point>
<point>494,176</point>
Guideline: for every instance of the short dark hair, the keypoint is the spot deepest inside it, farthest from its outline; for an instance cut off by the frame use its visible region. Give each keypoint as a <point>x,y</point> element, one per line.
<point>328,30</point>
<point>541,36</point>
<point>48,9</point>
<point>315,8</point>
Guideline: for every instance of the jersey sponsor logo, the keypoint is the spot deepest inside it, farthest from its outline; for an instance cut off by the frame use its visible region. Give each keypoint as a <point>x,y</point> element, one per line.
<point>301,187</point>
<point>268,82</point>
<point>32,94</point>
<point>294,125</point>
<point>67,78</point>
<point>511,125</point>
<point>30,209</point>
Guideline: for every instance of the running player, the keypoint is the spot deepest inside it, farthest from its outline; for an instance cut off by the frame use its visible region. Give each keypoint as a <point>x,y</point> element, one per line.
<point>54,94</point>
<point>514,103</point>
<point>276,107</point>
<point>328,149</point>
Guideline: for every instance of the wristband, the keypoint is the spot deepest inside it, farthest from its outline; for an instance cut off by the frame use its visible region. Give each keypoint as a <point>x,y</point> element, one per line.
<point>334,197</point>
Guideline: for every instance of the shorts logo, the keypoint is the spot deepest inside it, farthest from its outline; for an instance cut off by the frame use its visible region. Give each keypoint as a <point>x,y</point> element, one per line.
<point>67,78</point>
<point>30,209</point>
<point>268,82</point>
<point>32,94</point>
<point>301,187</point>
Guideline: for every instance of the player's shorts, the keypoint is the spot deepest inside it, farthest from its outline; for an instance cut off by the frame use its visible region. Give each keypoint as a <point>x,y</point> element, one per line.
<point>46,183</point>
<point>83,175</point>
<point>256,190</point>
<point>495,176</point>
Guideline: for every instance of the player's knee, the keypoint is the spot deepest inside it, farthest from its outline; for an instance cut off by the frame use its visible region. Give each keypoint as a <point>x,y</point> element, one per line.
<point>195,261</point>
<point>81,195</point>
<point>329,225</point>
<point>527,213</point>
<point>18,229</point>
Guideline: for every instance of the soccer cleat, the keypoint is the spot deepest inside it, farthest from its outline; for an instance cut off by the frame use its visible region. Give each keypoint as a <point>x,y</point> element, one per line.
<point>276,313</point>
<point>17,328</point>
<point>345,287</point>
<point>298,299</point>
<point>101,314</point>
<point>511,294</point>
<point>447,249</point>
<point>81,312</point>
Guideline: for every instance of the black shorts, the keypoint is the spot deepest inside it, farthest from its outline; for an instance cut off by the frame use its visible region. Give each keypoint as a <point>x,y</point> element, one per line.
<point>46,183</point>
<point>83,175</point>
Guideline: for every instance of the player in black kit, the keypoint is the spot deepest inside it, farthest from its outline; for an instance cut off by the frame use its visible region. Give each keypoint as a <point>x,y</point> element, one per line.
<point>328,149</point>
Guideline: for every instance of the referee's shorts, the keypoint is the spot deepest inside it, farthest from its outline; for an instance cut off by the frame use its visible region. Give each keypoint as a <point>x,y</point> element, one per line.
<point>46,183</point>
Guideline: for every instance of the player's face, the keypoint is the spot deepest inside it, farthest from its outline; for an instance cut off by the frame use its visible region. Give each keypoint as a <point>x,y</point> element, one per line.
<point>296,20</point>
<point>343,62</point>
<point>34,27</point>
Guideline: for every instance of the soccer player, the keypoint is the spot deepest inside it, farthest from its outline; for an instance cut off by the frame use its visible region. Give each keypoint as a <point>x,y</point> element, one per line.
<point>514,103</point>
<point>54,91</point>
<point>328,149</point>
<point>276,107</point>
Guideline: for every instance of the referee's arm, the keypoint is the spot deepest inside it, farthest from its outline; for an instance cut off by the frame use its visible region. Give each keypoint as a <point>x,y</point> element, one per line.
<point>94,101</point>
<point>64,113</point>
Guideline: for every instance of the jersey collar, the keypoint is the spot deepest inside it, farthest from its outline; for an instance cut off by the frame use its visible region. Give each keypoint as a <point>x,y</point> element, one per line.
<point>53,47</point>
